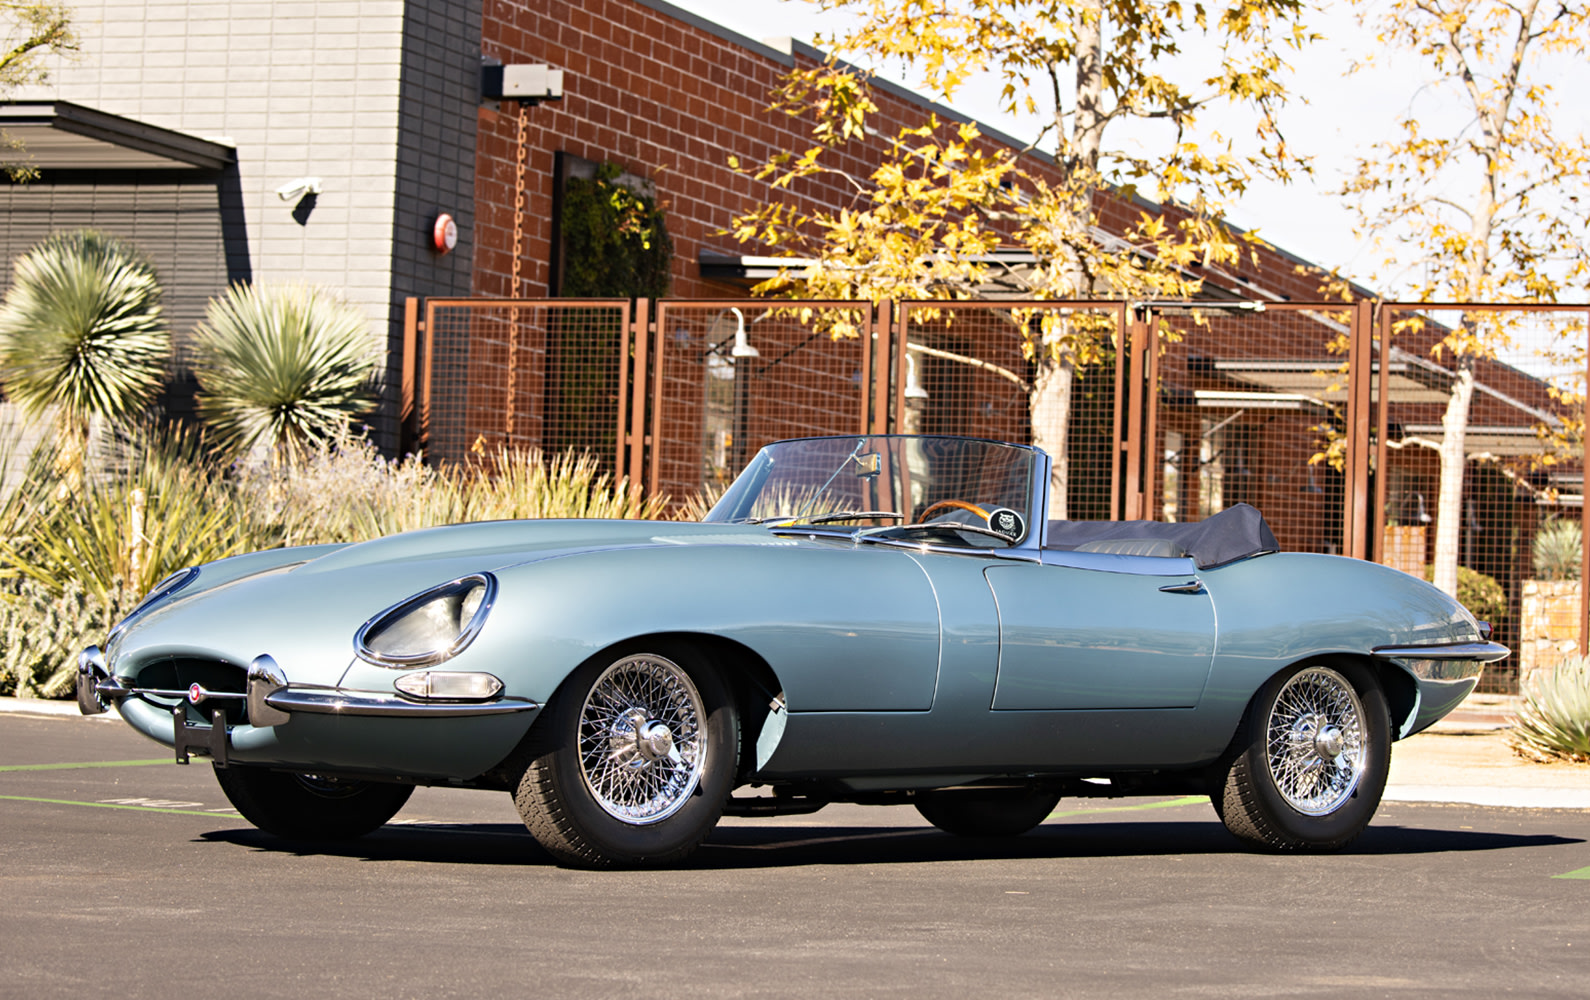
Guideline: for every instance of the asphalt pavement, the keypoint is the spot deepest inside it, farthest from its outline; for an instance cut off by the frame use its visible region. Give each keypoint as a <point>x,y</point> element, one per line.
<point>122,874</point>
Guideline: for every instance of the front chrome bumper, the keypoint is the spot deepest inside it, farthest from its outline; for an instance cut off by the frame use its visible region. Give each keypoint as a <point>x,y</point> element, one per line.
<point>270,701</point>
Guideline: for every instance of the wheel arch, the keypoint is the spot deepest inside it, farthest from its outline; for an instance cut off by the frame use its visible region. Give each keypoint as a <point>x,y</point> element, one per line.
<point>751,679</point>
<point>1402,694</point>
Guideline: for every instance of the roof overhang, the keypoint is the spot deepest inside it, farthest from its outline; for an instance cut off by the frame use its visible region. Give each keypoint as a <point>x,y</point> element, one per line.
<point>59,135</point>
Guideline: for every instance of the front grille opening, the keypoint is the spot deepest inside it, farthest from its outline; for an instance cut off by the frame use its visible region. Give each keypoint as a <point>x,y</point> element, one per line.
<point>178,673</point>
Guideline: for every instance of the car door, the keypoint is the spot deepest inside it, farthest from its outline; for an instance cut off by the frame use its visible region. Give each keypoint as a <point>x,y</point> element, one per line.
<point>1086,631</point>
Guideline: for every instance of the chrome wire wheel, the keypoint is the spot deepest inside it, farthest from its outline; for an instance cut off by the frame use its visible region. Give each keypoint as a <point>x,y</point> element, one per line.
<point>1314,741</point>
<point>642,749</point>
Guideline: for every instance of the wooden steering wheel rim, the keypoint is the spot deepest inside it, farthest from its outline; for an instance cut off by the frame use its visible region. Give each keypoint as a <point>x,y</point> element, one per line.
<point>961,504</point>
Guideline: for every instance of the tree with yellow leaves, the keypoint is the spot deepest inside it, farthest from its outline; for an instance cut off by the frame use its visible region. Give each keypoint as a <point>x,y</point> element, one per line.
<point>28,30</point>
<point>926,221</point>
<point>1492,211</point>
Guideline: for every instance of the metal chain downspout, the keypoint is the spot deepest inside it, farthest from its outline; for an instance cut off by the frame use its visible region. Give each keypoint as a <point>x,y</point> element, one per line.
<point>521,153</point>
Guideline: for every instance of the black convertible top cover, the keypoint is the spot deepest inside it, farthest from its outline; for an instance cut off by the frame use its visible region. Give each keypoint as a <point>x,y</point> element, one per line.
<point>1235,533</point>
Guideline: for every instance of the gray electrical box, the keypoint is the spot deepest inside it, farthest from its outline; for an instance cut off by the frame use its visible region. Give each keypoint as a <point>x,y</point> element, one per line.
<point>522,82</point>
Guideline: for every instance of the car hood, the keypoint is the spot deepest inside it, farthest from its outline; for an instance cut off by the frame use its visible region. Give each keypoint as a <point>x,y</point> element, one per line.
<point>305,613</point>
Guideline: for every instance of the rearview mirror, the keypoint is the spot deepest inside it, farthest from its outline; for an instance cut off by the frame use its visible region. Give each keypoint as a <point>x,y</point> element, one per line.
<point>869,465</point>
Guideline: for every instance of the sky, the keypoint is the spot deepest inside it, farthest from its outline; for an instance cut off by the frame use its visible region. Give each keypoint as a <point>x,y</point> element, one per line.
<point>1332,117</point>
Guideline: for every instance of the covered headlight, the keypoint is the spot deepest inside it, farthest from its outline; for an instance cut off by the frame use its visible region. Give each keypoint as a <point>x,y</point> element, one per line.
<point>157,595</point>
<point>429,627</point>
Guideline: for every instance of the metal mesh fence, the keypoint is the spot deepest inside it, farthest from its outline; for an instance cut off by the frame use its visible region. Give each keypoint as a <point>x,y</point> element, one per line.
<point>540,374</point>
<point>1483,481</point>
<point>1252,410</point>
<point>734,376</point>
<point>1246,407</point>
<point>970,369</point>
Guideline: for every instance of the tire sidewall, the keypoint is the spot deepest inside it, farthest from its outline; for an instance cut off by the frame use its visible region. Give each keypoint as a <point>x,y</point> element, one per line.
<point>629,843</point>
<point>1350,818</point>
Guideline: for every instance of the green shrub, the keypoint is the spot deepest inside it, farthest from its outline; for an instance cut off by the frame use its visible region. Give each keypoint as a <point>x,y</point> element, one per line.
<point>1558,550</point>
<point>1554,722</point>
<point>1481,594</point>
<point>42,631</point>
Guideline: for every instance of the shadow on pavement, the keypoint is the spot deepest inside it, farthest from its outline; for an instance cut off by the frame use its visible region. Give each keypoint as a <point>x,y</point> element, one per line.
<point>750,847</point>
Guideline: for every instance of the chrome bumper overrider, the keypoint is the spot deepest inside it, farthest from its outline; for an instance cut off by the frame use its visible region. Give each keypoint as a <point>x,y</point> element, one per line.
<point>1457,661</point>
<point>270,701</point>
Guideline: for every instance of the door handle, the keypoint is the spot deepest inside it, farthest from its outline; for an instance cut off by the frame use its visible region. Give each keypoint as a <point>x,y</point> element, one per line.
<point>1190,587</point>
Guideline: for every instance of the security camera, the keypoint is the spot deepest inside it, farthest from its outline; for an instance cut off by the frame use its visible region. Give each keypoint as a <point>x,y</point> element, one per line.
<point>296,189</point>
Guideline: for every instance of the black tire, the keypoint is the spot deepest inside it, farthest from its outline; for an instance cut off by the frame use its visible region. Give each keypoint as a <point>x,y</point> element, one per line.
<point>1283,788</point>
<point>309,807</point>
<point>987,814</point>
<point>660,794</point>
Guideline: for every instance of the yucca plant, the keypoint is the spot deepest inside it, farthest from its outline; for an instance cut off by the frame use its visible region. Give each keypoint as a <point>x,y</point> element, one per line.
<point>1554,722</point>
<point>42,632</point>
<point>285,366</point>
<point>81,332</point>
<point>1558,550</point>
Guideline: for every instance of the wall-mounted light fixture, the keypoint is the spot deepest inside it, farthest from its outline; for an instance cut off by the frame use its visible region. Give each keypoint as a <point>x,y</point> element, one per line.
<point>529,83</point>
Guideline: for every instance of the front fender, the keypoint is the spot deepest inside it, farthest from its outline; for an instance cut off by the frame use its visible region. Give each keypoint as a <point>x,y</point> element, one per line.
<point>844,629</point>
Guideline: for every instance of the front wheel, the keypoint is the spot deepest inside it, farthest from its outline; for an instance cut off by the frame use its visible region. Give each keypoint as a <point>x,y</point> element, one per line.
<point>987,814</point>
<point>309,806</point>
<point>1311,761</point>
<point>637,756</point>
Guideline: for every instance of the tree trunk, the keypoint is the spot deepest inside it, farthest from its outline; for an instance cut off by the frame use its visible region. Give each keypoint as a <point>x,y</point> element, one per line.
<point>1454,462</point>
<point>1049,408</point>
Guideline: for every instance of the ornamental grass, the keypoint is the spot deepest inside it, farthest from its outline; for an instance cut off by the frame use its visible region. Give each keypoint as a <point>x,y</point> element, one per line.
<point>1554,722</point>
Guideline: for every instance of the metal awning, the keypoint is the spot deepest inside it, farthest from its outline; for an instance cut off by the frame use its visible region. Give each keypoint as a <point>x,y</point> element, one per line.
<point>60,135</point>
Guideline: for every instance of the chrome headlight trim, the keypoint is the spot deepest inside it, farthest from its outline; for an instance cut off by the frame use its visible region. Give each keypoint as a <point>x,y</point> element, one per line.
<point>157,595</point>
<point>390,616</point>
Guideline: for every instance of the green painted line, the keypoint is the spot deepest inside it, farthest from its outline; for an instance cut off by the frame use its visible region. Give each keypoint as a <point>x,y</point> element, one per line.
<point>93,763</point>
<point>110,805</point>
<point>1583,873</point>
<point>1190,800</point>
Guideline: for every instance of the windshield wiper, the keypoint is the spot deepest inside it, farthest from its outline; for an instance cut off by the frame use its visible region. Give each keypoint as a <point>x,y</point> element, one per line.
<point>871,534</point>
<point>841,515</point>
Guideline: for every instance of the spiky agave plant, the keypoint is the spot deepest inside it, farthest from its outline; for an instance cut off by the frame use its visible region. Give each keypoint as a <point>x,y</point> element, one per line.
<point>282,365</point>
<point>81,331</point>
<point>1554,722</point>
<point>1557,550</point>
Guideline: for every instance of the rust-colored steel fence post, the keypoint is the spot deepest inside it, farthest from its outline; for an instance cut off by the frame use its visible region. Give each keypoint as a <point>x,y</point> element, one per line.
<point>427,366</point>
<point>1360,374</point>
<point>408,413</point>
<point>633,377</point>
<point>1584,547</point>
<point>1133,445</point>
<point>1123,341</point>
<point>1377,536</point>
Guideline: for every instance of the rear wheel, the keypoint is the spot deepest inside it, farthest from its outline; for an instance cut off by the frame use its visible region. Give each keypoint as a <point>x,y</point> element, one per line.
<point>987,814</point>
<point>309,806</point>
<point>636,757</point>
<point>1313,754</point>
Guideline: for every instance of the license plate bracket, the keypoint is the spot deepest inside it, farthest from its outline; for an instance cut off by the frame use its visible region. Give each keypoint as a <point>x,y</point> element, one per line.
<point>212,740</point>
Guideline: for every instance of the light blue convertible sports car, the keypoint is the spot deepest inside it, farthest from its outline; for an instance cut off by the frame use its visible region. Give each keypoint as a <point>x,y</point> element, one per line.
<point>860,619</point>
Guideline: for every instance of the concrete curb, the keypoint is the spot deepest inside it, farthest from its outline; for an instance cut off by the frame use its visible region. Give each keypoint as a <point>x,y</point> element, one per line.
<point>1484,795</point>
<point>39,706</point>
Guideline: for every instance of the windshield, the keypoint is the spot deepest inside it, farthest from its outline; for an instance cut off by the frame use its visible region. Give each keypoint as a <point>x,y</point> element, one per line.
<point>887,485</point>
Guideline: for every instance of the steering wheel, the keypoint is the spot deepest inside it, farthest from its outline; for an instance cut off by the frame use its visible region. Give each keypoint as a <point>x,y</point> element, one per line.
<point>953,505</point>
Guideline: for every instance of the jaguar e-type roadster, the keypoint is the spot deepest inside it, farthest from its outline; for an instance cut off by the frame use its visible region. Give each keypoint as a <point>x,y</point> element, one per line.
<point>864,619</point>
